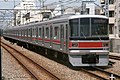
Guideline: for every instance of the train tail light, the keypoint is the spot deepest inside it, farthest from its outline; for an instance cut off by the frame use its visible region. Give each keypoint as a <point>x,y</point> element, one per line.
<point>74,44</point>
<point>105,44</point>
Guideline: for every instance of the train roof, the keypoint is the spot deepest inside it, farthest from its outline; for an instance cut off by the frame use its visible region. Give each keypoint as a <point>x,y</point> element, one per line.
<point>87,16</point>
<point>60,18</point>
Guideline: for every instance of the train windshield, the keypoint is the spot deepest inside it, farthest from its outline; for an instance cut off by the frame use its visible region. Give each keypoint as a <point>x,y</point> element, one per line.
<point>99,27</point>
<point>88,27</point>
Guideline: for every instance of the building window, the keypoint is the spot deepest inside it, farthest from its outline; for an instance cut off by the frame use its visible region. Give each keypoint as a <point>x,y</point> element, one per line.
<point>111,28</point>
<point>111,1</point>
<point>111,13</point>
<point>87,10</point>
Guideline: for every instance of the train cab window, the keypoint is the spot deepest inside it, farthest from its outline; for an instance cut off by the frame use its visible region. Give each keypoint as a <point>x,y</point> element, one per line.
<point>74,27</point>
<point>56,32</point>
<point>84,27</point>
<point>99,27</point>
<point>47,33</point>
<point>40,32</point>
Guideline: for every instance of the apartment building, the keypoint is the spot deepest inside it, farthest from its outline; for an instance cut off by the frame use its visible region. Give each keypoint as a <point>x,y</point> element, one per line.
<point>111,15</point>
<point>117,18</point>
<point>114,17</point>
<point>114,23</point>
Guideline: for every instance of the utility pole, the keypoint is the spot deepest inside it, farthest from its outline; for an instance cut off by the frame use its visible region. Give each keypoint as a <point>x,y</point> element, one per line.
<point>14,14</point>
<point>107,8</point>
<point>62,8</point>
<point>42,2</point>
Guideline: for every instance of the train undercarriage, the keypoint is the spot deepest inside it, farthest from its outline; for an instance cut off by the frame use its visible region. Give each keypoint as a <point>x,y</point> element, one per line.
<point>76,58</point>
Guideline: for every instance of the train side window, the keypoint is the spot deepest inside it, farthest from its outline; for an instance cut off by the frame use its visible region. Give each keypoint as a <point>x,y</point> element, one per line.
<point>40,32</point>
<point>33,32</point>
<point>74,27</point>
<point>43,32</point>
<point>29,33</point>
<point>22,32</point>
<point>19,33</point>
<point>56,32</point>
<point>62,31</point>
<point>25,32</point>
<point>47,33</point>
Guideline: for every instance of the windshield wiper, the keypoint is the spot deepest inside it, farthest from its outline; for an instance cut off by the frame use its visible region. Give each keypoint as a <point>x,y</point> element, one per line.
<point>83,35</point>
<point>98,36</point>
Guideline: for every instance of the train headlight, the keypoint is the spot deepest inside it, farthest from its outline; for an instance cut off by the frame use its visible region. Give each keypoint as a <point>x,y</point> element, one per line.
<point>105,44</point>
<point>74,44</point>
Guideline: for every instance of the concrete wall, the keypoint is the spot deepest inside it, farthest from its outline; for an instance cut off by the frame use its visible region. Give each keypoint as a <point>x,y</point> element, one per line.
<point>115,45</point>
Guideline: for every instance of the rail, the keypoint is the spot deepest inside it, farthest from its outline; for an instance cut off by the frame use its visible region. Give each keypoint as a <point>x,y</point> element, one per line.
<point>39,72</point>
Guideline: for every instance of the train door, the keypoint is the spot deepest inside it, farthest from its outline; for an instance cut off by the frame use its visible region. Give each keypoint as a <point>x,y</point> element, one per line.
<point>27,34</point>
<point>43,35</point>
<point>36,34</point>
<point>67,34</point>
<point>62,37</point>
<point>31,34</point>
<point>51,34</point>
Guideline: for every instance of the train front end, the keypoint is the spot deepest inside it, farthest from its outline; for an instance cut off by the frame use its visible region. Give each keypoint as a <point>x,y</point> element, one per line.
<point>89,41</point>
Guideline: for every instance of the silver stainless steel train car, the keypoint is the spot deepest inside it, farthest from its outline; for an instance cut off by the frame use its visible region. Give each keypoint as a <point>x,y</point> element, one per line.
<point>81,40</point>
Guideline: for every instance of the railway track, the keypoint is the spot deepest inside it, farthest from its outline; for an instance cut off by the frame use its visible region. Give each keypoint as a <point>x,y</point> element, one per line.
<point>35,69</point>
<point>101,73</point>
<point>97,73</point>
<point>114,57</point>
<point>107,73</point>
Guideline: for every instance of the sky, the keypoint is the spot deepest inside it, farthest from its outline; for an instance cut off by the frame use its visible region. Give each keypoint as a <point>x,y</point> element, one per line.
<point>9,4</point>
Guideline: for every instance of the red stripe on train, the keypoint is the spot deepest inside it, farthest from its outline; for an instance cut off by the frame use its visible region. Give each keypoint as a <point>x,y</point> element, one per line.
<point>86,44</point>
<point>89,44</point>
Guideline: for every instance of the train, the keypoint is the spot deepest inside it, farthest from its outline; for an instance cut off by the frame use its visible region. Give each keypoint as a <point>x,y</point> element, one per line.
<point>80,40</point>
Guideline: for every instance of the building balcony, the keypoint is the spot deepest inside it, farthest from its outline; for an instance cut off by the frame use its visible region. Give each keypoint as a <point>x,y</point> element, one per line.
<point>111,7</point>
<point>111,20</point>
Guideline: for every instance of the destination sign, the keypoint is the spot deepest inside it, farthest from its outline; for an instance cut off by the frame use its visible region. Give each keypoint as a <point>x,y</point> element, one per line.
<point>98,21</point>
